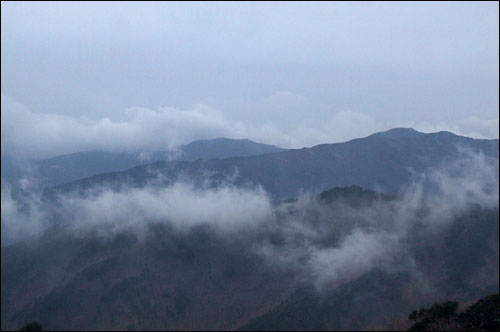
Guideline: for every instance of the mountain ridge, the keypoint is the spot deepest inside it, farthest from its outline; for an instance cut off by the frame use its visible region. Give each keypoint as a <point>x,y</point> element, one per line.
<point>78,165</point>
<point>380,161</point>
<point>200,279</point>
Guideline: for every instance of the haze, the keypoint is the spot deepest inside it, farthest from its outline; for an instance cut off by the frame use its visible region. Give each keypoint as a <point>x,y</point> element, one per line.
<point>128,76</point>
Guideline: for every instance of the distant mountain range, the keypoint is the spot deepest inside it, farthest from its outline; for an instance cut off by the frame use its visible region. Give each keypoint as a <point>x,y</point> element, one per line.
<point>356,254</point>
<point>71,167</point>
<point>385,161</point>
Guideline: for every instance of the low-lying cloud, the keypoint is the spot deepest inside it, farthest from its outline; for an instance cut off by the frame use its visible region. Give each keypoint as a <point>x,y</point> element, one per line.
<point>326,243</point>
<point>227,209</point>
<point>329,244</point>
<point>21,218</point>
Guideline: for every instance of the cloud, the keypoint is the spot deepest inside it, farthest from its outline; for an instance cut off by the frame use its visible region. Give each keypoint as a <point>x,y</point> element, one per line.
<point>285,102</point>
<point>182,205</point>
<point>474,126</point>
<point>357,253</point>
<point>21,218</point>
<point>226,208</point>
<point>304,75</point>
<point>326,244</point>
<point>447,190</point>
<point>31,135</point>
<point>36,135</point>
<point>331,244</point>
<point>470,126</point>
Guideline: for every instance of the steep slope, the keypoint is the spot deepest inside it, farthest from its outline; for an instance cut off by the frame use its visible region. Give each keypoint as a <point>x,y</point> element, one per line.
<point>384,161</point>
<point>200,278</point>
<point>167,281</point>
<point>470,249</point>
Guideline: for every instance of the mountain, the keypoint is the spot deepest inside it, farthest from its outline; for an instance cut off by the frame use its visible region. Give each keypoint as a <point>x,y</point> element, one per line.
<point>166,281</point>
<point>468,246</point>
<point>144,252</point>
<point>386,161</point>
<point>221,148</point>
<point>12,170</point>
<point>477,315</point>
<point>162,278</point>
<point>74,166</point>
<point>70,167</point>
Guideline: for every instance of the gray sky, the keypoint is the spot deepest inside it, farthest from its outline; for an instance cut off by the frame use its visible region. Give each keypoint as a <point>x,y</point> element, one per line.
<point>125,76</point>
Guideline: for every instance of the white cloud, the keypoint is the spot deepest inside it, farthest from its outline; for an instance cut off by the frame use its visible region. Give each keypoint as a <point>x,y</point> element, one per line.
<point>21,218</point>
<point>356,254</point>
<point>27,134</point>
<point>325,244</point>
<point>226,208</point>
<point>331,245</point>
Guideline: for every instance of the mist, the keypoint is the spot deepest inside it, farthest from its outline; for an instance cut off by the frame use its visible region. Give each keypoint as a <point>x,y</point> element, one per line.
<point>28,135</point>
<point>83,77</point>
<point>145,232</point>
<point>326,243</point>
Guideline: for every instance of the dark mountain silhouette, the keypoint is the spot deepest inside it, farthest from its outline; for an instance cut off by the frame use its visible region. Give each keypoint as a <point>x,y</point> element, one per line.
<point>378,295</point>
<point>476,315</point>
<point>220,148</point>
<point>385,161</point>
<point>70,167</point>
<point>482,315</point>
<point>200,279</point>
<point>74,166</point>
<point>12,170</point>
<point>156,277</point>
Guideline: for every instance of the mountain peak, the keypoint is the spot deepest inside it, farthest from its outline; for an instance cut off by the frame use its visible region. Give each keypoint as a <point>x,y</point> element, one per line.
<point>223,141</point>
<point>220,139</point>
<point>410,132</point>
<point>222,147</point>
<point>399,132</point>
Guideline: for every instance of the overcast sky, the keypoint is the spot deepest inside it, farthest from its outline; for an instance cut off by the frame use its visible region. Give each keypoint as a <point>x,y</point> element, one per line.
<point>124,76</point>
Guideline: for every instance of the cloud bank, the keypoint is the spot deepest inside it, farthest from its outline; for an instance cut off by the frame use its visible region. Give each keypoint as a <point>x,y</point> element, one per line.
<point>37,135</point>
<point>32,135</point>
